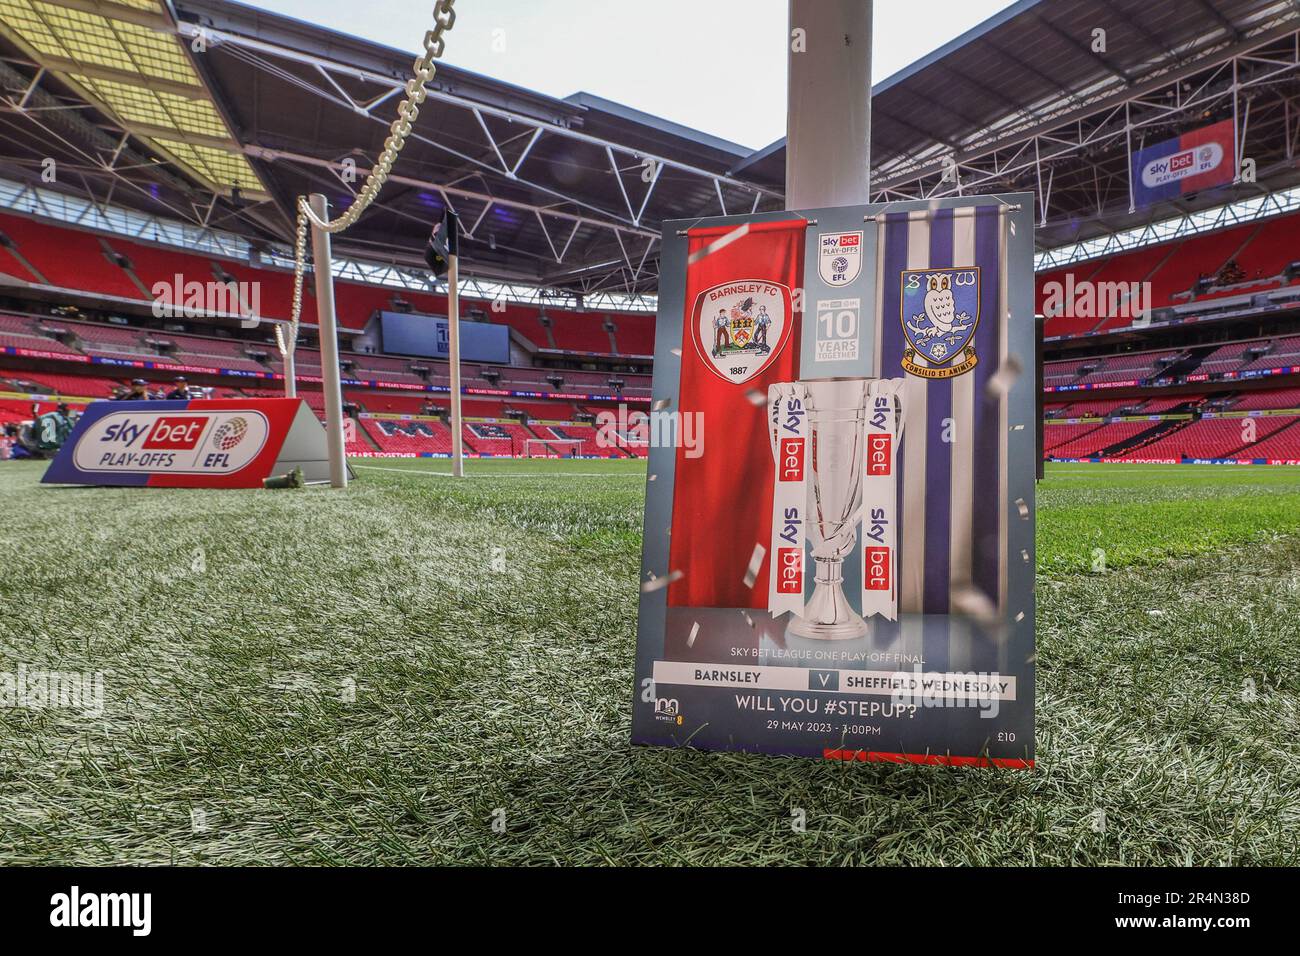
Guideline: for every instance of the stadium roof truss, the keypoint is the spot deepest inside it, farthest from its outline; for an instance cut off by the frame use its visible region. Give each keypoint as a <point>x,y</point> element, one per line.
<point>1055,97</point>
<point>1275,203</point>
<point>564,193</point>
<point>188,98</point>
<point>87,213</point>
<point>170,103</point>
<point>1084,161</point>
<point>123,56</point>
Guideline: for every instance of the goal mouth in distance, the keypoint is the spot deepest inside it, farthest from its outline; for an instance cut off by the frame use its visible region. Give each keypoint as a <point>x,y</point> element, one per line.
<point>552,447</point>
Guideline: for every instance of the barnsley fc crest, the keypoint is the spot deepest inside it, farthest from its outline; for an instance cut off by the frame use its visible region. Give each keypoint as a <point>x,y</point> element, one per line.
<point>839,257</point>
<point>741,326</point>
<point>940,310</point>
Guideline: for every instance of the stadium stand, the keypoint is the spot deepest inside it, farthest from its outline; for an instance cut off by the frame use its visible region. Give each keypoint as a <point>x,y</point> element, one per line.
<point>207,352</point>
<point>1087,408</point>
<point>497,438</point>
<point>1199,276</point>
<point>413,438</point>
<point>395,403</point>
<point>1092,440</point>
<point>52,248</point>
<point>1184,271</point>
<point>25,332</point>
<point>1132,366</point>
<point>369,366</point>
<point>1226,358</point>
<point>635,334</point>
<point>1221,266</point>
<point>1058,321</point>
<point>359,443</point>
<point>13,266</point>
<point>69,258</point>
<point>1282,443</point>
<point>1155,406</point>
<point>82,386</point>
<point>18,325</point>
<point>1117,368</point>
<point>355,303</point>
<point>578,332</point>
<point>1281,398</point>
<point>1277,353</point>
<point>1193,259</point>
<point>575,432</point>
<point>1059,436</point>
<point>1208,438</point>
<point>111,341</point>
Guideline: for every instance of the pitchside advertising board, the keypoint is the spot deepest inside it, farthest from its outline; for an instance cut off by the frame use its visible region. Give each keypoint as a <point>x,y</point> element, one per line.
<point>222,443</point>
<point>847,570</point>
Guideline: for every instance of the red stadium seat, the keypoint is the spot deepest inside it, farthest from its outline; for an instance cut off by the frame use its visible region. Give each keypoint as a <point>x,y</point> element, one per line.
<point>69,258</point>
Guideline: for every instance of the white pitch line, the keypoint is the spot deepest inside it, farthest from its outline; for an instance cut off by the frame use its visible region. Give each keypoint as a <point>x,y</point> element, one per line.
<point>518,474</point>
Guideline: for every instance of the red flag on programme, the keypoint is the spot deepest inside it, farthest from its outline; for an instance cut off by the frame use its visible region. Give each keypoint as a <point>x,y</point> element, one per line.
<point>740,334</point>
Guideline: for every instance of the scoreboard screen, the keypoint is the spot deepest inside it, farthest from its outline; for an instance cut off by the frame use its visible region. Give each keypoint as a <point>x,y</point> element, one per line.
<point>408,333</point>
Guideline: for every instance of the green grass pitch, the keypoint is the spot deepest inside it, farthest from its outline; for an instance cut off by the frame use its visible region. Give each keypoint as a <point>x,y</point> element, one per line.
<point>376,676</point>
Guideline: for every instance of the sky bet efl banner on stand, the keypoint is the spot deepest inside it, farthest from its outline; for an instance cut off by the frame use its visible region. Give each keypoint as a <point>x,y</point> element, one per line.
<point>842,564</point>
<point>1194,161</point>
<point>223,443</point>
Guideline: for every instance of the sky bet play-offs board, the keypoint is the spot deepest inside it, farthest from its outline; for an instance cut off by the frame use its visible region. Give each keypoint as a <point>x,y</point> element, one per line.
<point>846,570</point>
<point>221,443</point>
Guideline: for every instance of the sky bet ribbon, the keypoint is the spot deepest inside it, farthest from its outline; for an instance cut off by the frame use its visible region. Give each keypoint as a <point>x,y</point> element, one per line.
<point>877,426</point>
<point>789,433</point>
<point>884,428</point>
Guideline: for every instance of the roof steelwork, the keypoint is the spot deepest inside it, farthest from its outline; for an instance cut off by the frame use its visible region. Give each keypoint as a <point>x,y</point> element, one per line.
<point>123,56</point>
<point>1049,95</point>
<point>568,194</point>
<point>559,192</point>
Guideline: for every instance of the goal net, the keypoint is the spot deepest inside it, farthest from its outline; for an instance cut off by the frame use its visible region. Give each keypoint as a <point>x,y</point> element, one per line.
<point>551,447</point>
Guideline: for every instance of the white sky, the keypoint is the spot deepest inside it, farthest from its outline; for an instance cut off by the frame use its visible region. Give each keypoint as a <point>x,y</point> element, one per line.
<point>714,65</point>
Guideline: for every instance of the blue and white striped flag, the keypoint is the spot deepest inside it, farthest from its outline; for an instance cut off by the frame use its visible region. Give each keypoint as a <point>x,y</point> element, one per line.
<point>942,323</point>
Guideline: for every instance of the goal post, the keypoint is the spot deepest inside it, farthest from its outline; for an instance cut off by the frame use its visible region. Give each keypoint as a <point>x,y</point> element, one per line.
<point>551,447</point>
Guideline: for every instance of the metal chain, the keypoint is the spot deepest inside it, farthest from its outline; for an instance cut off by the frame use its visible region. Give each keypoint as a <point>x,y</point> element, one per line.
<point>444,18</point>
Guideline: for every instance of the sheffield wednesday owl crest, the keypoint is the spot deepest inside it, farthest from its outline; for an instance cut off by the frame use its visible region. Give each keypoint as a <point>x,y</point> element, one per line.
<point>940,310</point>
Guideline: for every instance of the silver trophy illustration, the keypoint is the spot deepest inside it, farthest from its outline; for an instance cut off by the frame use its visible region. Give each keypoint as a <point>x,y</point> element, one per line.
<point>837,409</point>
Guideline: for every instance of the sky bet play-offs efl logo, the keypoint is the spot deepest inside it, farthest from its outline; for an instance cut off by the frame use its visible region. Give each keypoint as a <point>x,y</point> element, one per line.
<point>839,257</point>
<point>182,442</point>
<point>1184,164</point>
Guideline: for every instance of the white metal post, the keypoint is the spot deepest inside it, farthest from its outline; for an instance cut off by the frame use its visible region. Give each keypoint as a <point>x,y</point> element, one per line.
<point>828,107</point>
<point>329,343</point>
<point>453,343</point>
<point>1128,157</point>
<point>290,375</point>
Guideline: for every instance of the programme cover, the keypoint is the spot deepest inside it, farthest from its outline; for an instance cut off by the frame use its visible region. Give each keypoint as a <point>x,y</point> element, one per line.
<point>839,526</point>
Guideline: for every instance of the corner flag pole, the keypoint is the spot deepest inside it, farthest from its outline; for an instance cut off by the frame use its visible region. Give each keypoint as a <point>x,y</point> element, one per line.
<point>327,324</point>
<point>452,231</point>
<point>828,114</point>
